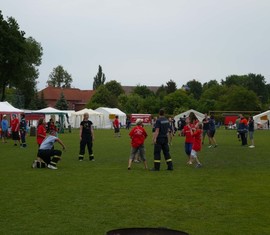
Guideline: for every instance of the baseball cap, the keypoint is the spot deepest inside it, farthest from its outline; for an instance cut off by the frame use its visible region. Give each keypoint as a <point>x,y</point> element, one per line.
<point>139,121</point>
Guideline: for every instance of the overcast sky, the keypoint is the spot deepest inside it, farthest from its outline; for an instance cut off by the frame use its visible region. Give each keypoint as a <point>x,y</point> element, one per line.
<point>147,42</point>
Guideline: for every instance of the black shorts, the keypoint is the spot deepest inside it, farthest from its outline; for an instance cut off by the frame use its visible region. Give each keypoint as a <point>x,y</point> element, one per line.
<point>15,135</point>
<point>116,130</point>
<point>211,134</point>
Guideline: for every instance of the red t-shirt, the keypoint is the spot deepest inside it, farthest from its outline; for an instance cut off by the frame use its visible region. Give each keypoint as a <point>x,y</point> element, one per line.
<point>116,123</point>
<point>41,130</point>
<point>197,137</point>
<point>15,124</point>
<point>137,135</point>
<point>187,133</point>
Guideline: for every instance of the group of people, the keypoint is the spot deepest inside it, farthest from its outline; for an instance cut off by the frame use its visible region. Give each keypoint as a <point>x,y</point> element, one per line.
<point>18,129</point>
<point>244,128</point>
<point>189,127</point>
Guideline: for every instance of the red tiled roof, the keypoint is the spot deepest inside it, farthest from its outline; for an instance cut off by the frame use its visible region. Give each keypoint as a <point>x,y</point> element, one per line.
<point>72,95</point>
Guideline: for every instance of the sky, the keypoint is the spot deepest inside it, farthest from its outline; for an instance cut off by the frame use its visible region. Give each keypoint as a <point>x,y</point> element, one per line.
<point>147,42</point>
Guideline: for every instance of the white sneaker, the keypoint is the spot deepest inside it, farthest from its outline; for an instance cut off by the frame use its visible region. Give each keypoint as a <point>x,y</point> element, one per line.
<point>251,146</point>
<point>52,167</point>
<point>34,164</point>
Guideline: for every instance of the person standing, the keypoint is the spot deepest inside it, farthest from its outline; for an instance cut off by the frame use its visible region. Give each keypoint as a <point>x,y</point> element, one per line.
<point>212,132</point>
<point>137,135</point>
<point>251,131</point>
<point>197,143</point>
<point>86,137</point>
<point>47,152</point>
<point>188,139</point>
<point>160,140</point>
<point>116,126</point>
<point>4,125</point>
<point>243,129</point>
<point>23,127</point>
<point>205,122</point>
<point>15,125</point>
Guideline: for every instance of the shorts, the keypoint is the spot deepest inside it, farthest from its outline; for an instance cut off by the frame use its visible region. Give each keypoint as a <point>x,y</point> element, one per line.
<point>188,148</point>
<point>140,150</point>
<point>116,130</point>
<point>211,134</point>
<point>15,135</point>
<point>251,135</point>
<point>193,153</point>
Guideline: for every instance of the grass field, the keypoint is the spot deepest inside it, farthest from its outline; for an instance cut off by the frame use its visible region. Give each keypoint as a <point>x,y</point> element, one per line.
<point>228,195</point>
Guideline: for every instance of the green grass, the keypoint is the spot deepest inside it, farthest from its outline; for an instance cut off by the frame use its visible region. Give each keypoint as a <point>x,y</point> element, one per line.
<point>229,195</point>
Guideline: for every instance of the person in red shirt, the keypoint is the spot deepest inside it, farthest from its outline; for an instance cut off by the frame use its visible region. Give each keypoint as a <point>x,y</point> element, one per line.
<point>137,135</point>
<point>197,143</point>
<point>15,125</point>
<point>186,131</point>
<point>116,126</point>
<point>41,131</point>
<point>41,135</point>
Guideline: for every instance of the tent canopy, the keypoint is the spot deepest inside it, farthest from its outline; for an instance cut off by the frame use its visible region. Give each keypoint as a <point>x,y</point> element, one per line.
<point>262,119</point>
<point>7,108</point>
<point>96,117</point>
<point>199,115</point>
<point>49,110</point>
<point>110,112</point>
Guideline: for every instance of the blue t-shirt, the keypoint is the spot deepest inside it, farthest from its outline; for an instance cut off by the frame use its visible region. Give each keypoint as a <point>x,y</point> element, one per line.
<point>48,143</point>
<point>4,125</point>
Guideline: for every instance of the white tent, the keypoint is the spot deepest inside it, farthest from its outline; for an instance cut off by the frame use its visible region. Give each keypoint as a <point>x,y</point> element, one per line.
<point>7,108</point>
<point>96,117</point>
<point>199,115</point>
<point>109,114</point>
<point>261,120</point>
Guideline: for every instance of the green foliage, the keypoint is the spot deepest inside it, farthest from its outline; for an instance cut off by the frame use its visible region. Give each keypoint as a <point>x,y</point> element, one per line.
<point>195,88</point>
<point>143,91</point>
<point>232,188</point>
<point>170,87</point>
<point>176,100</point>
<point>19,58</point>
<point>61,104</point>
<point>102,98</point>
<point>99,79</point>
<point>60,78</point>
<point>114,88</point>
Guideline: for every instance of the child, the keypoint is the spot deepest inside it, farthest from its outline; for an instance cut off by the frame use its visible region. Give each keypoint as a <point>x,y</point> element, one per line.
<point>23,127</point>
<point>197,143</point>
<point>41,135</point>
<point>188,139</point>
<point>137,135</point>
<point>116,126</point>
<point>47,152</point>
<point>86,137</point>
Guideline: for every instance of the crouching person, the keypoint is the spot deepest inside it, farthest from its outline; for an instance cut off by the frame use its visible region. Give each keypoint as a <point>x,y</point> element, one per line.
<point>46,152</point>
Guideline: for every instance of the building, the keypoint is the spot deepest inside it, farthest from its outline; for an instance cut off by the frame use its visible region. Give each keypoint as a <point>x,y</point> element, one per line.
<point>76,98</point>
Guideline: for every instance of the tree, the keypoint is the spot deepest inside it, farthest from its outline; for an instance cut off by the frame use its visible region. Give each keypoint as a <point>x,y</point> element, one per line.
<point>170,87</point>
<point>62,103</point>
<point>19,58</point>
<point>195,88</point>
<point>99,79</point>
<point>142,91</point>
<point>102,97</point>
<point>60,78</point>
<point>114,88</point>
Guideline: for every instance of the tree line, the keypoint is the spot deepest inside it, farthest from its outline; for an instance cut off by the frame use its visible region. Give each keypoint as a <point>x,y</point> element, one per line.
<point>20,57</point>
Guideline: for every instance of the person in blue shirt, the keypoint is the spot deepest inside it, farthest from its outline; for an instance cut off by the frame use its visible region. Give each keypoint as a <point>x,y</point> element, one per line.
<point>4,125</point>
<point>47,153</point>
